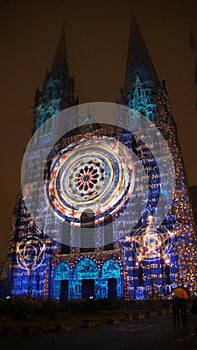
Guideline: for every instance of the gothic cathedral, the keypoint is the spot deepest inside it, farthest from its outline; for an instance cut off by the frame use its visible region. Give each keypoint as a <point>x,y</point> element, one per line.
<point>123,258</point>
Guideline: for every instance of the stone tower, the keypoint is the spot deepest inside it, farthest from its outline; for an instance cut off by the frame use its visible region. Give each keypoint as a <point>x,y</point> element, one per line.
<point>30,250</point>
<point>143,92</point>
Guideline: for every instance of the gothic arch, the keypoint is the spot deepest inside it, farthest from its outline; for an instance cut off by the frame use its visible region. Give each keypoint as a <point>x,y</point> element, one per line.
<point>61,281</point>
<point>86,279</point>
<point>62,271</point>
<point>110,269</point>
<point>87,218</point>
<point>112,283</point>
<point>86,268</point>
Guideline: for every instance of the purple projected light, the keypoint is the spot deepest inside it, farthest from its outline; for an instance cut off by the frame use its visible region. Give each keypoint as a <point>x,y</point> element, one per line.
<point>97,171</point>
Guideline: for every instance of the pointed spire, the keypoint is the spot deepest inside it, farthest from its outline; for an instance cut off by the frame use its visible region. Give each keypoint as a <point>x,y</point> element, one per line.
<point>57,85</point>
<point>89,124</point>
<point>60,60</point>
<point>138,61</point>
<point>89,119</point>
<point>192,40</point>
<point>138,82</point>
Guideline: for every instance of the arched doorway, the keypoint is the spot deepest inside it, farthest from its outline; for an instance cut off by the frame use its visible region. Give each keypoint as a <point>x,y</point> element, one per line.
<point>86,279</point>
<point>61,281</point>
<point>111,280</point>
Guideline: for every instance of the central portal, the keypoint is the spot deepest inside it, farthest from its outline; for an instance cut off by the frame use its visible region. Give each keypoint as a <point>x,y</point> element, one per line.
<point>88,288</point>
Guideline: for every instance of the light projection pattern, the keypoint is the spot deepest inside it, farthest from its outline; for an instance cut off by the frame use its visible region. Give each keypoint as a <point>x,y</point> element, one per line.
<point>144,157</point>
<point>88,175</point>
<point>151,244</point>
<point>154,284</point>
<point>61,273</point>
<point>97,278</point>
<point>144,278</point>
<point>167,254</point>
<point>96,174</point>
<point>86,269</point>
<point>30,253</point>
<point>111,270</point>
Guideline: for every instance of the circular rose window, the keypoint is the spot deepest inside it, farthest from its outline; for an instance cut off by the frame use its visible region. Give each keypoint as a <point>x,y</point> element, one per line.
<point>96,173</point>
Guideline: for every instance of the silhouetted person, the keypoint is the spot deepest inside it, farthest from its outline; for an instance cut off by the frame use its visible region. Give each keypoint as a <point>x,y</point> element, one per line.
<point>183,310</point>
<point>194,310</point>
<point>175,311</point>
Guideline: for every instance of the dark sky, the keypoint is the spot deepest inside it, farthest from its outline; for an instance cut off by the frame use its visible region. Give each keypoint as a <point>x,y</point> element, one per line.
<point>97,40</point>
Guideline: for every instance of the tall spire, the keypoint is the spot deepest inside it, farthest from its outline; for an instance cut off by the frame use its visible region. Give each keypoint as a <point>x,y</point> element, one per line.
<point>60,60</point>
<point>138,61</point>
<point>57,92</point>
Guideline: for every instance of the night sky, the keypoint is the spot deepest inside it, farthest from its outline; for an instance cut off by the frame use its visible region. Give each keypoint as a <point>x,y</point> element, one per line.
<point>97,40</point>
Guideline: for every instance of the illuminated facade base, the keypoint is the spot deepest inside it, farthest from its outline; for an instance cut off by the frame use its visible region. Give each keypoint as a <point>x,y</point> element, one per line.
<point>139,264</point>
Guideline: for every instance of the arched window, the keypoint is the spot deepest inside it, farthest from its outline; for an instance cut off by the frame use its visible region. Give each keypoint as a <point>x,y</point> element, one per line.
<point>61,281</point>
<point>86,275</point>
<point>111,275</point>
<point>108,233</point>
<point>87,232</point>
<point>65,249</point>
<point>86,269</point>
<point>110,269</point>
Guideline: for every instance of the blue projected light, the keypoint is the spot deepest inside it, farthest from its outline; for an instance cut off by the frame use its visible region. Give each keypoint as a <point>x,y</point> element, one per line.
<point>129,170</point>
<point>108,170</point>
<point>110,269</point>
<point>87,280</point>
<point>61,273</point>
<point>86,268</point>
<point>136,171</point>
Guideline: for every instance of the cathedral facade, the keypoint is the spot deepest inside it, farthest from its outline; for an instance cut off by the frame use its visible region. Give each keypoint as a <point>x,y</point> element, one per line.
<point>123,258</point>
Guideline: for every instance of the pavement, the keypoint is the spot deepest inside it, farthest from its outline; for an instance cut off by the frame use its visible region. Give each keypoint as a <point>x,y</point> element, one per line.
<point>155,333</point>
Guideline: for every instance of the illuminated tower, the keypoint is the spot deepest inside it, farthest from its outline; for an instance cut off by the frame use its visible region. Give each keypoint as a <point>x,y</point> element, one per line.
<point>143,92</point>
<point>30,250</point>
<point>57,92</point>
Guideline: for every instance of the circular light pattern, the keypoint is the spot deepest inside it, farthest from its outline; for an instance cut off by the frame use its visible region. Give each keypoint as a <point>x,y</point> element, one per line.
<point>30,253</point>
<point>88,176</point>
<point>97,174</point>
<point>52,205</point>
<point>151,244</point>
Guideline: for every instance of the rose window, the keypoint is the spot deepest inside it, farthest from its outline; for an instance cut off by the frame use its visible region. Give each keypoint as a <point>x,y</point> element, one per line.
<point>96,174</point>
<point>88,177</point>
